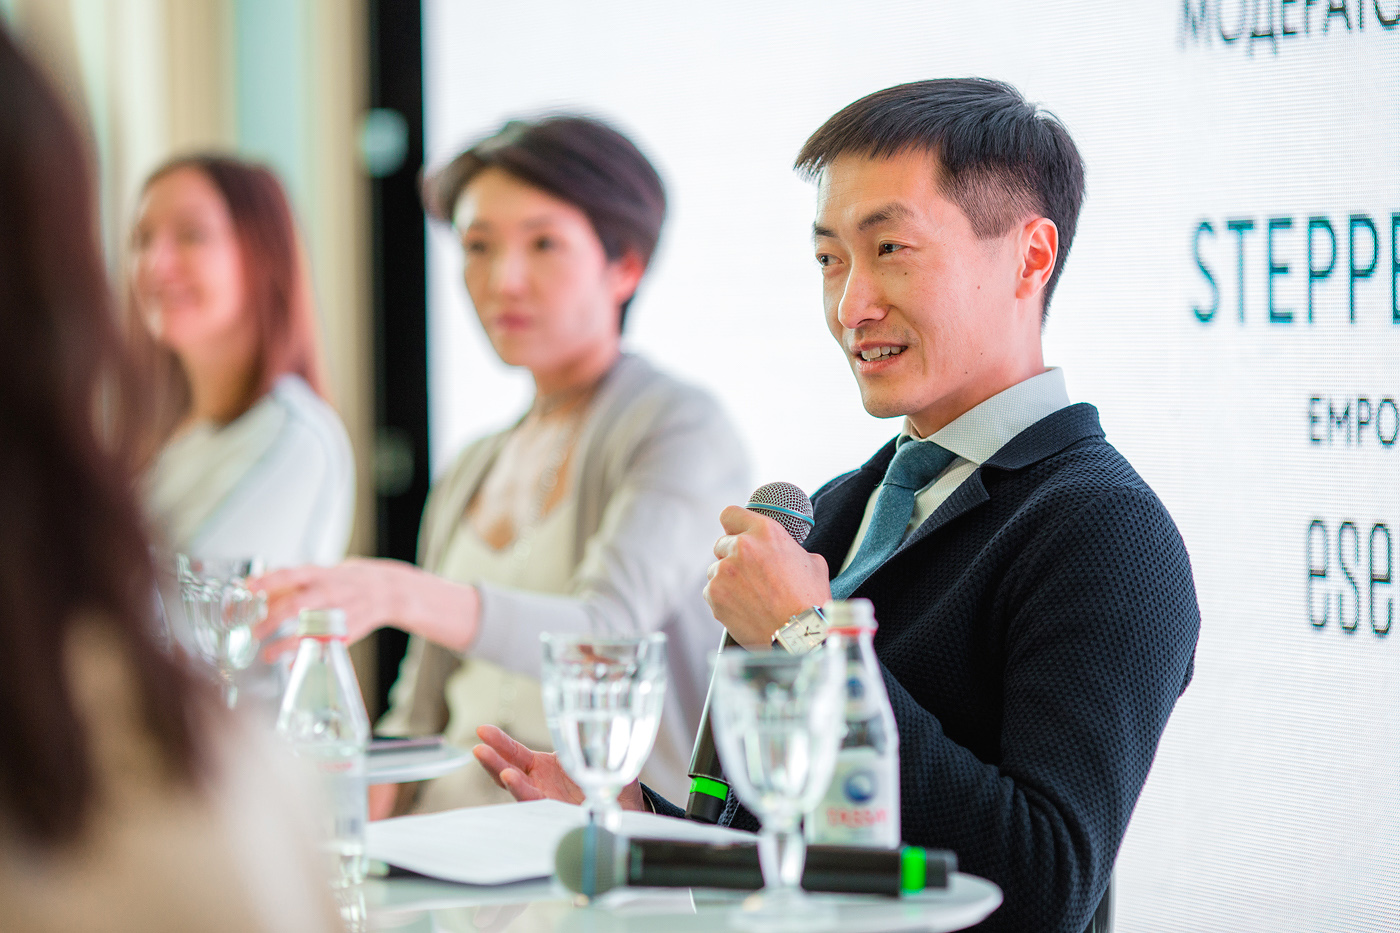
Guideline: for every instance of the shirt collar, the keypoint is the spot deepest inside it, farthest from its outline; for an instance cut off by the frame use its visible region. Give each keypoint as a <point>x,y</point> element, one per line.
<point>980,432</point>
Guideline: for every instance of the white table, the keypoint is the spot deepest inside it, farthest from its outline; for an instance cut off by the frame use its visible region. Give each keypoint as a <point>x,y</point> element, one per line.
<point>415,905</point>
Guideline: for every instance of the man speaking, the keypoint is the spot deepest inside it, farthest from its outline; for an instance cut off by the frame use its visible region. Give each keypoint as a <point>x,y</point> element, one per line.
<point>1037,613</point>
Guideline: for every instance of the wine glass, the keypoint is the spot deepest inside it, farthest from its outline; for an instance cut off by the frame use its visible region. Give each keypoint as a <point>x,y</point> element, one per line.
<point>602,700</point>
<point>778,723</point>
<point>221,612</point>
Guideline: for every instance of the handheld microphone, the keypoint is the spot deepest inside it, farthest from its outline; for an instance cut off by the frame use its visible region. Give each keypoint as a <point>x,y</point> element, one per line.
<point>788,506</point>
<point>611,861</point>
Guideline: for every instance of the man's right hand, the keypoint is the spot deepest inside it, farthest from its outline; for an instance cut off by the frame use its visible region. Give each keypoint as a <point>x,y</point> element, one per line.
<point>532,775</point>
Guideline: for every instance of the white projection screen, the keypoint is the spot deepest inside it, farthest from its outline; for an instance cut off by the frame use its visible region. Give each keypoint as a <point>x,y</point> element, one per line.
<point>1229,305</point>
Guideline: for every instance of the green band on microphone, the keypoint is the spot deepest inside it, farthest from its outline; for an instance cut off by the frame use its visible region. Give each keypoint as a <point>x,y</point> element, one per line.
<point>913,869</point>
<point>704,785</point>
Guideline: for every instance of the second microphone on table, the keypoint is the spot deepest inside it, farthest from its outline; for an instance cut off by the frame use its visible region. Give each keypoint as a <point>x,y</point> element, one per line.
<point>592,861</point>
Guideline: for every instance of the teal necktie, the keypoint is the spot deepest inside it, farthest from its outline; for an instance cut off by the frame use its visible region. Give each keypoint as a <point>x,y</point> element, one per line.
<point>914,466</point>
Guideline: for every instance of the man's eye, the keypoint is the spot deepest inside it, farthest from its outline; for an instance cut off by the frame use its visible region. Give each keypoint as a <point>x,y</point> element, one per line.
<point>544,244</point>
<point>474,247</point>
<point>823,259</point>
<point>887,248</point>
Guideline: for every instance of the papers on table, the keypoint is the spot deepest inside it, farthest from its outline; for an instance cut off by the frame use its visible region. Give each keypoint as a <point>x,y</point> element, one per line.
<point>510,842</point>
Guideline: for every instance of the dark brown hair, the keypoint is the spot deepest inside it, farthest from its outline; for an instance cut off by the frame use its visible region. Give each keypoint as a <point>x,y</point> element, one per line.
<point>72,548</point>
<point>1000,157</point>
<point>277,292</point>
<point>579,160</point>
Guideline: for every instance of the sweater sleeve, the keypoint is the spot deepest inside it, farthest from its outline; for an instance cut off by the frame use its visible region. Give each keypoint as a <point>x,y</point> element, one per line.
<point>1102,628</point>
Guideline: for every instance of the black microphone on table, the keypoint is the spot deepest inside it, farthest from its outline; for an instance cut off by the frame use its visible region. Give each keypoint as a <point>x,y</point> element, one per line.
<point>592,861</point>
<point>788,506</point>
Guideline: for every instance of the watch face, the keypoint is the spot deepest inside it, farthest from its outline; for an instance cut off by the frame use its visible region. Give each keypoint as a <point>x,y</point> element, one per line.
<point>803,633</point>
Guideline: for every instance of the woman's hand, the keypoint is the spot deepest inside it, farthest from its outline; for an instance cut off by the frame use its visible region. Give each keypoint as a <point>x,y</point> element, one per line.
<point>532,775</point>
<point>374,593</point>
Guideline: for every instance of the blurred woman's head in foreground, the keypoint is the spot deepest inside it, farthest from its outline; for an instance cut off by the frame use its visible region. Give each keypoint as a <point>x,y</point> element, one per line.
<point>76,563</point>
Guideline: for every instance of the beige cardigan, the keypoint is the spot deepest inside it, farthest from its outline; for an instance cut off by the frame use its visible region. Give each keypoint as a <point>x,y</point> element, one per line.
<point>660,461</point>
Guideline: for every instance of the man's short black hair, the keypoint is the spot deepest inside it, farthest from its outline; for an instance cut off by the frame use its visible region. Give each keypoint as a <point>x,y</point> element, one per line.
<point>577,159</point>
<point>1000,157</point>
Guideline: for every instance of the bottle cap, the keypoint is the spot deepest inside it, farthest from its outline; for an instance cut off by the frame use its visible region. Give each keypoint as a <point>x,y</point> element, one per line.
<point>321,623</point>
<point>852,615</point>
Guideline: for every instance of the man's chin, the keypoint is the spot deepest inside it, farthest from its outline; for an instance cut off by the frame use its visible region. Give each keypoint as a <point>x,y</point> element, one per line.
<point>880,405</point>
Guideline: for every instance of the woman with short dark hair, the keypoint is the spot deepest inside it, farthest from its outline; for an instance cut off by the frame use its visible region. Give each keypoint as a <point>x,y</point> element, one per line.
<point>129,800</point>
<point>596,511</point>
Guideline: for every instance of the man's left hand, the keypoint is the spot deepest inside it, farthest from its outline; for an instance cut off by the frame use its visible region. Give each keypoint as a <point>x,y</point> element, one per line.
<point>762,578</point>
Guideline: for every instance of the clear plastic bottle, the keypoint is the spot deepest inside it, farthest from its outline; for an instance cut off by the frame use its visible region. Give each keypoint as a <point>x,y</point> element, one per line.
<point>323,717</point>
<point>861,808</point>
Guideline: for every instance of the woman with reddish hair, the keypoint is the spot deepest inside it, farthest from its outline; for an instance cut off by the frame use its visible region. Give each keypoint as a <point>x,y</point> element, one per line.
<point>247,457</point>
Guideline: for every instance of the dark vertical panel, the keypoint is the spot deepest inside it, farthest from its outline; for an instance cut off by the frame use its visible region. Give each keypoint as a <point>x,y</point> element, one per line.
<point>400,302</point>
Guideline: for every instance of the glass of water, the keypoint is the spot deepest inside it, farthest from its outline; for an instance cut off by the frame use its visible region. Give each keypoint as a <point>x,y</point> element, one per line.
<point>778,720</point>
<point>602,700</point>
<point>221,612</point>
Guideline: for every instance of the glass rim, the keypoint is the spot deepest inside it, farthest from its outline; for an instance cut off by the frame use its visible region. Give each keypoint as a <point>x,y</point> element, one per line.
<point>220,568</point>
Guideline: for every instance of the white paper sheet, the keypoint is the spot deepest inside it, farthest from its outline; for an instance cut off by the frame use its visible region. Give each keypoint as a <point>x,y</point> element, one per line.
<point>510,842</point>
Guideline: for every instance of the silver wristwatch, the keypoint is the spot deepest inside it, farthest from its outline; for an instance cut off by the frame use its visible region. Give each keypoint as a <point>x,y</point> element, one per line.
<point>803,632</point>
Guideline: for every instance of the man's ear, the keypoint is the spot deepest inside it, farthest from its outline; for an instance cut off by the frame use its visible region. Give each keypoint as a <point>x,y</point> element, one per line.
<point>1039,247</point>
<point>626,273</point>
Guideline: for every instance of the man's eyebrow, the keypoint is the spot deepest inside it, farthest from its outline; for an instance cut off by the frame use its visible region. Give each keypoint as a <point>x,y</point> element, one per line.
<point>891,211</point>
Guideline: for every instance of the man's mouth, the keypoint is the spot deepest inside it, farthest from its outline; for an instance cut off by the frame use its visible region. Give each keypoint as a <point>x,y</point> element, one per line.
<point>879,353</point>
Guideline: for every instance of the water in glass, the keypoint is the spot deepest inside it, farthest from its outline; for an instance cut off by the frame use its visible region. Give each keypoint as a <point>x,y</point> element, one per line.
<point>221,612</point>
<point>778,724</point>
<point>602,700</point>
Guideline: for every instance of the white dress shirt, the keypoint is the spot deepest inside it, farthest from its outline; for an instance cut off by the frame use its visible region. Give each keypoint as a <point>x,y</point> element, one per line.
<point>972,438</point>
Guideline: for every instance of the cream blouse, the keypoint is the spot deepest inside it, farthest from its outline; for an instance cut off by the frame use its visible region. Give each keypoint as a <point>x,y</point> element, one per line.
<point>481,691</point>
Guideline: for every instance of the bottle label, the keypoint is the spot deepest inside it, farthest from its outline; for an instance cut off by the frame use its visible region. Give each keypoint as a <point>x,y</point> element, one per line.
<point>861,807</point>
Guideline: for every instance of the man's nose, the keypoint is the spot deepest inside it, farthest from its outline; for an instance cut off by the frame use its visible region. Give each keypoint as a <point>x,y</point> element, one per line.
<point>861,298</point>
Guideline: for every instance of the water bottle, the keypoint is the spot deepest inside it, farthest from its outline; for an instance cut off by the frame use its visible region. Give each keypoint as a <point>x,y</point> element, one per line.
<point>323,717</point>
<point>861,807</point>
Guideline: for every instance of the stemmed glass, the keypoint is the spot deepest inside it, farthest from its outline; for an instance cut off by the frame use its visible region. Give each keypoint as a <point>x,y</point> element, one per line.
<point>602,700</point>
<point>778,723</point>
<point>221,611</point>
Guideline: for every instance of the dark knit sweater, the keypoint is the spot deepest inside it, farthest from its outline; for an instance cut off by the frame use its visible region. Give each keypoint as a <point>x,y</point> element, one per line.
<point>1035,632</point>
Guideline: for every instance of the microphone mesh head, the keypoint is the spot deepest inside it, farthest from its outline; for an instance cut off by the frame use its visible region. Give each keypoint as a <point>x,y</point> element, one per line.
<point>570,858</point>
<point>784,496</point>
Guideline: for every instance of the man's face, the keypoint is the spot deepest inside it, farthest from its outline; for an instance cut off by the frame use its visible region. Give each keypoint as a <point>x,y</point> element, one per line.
<point>927,312</point>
